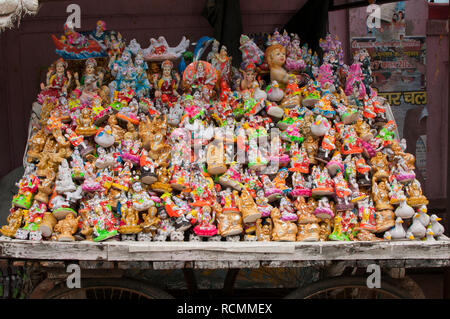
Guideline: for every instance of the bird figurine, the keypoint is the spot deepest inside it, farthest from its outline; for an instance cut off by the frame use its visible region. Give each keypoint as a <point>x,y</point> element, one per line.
<point>274,93</point>
<point>423,216</point>
<point>436,227</point>
<point>258,94</point>
<point>398,232</point>
<point>404,210</point>
<point>430,235</point>
<point>416,228</point>
<point>409,235</point>
<point>387,235</point>
<point>105,137</point>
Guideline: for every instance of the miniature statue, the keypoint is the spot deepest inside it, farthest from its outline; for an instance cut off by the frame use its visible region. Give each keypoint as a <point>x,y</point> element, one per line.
<point>248,207</point>
<point>14,221</point>
<point>229,222</point>
<point>90,82</point>
<point>130,217</point>
<point>276,57</point>
<point>85,124</point>
<point>415,196</point>
<point>381,196</point>
<point>57,81</point>
<point>282,230</point>
<point>167,85</point>
<point>264,231</point>
<point>215,158</point>
<point>206,227</point>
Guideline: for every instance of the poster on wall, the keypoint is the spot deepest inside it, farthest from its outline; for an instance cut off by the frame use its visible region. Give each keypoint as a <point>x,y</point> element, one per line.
<point>398,63</point>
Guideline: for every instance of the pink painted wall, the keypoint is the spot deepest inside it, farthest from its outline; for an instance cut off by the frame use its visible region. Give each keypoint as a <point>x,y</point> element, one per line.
<point>437,97</point>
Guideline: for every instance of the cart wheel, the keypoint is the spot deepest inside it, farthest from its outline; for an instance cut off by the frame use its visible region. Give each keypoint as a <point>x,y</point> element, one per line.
<point>349,288</point>
<point>103,288</point>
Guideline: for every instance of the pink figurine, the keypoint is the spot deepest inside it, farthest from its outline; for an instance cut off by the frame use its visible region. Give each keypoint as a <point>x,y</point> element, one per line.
<point>270,191</point>
<point>323,209</point>
<point>287,210</point>
<point>301,187</point>
<point>90,183</point>
<point>322,183</point>
<point>57,81</point>
<point>205,227</point>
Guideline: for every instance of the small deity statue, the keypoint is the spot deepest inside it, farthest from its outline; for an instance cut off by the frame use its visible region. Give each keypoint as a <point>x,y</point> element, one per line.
<point>324,209</point>
<point>57,81</point>
<point>222,63</point>
<point>251,53</point>
<point>162,185</point>
<point>64,182</point>
<point>287,210</point>
<point>90,183</point>
<point>117,131</point>
<point>276,57</point>
<point>229,222</point>
<point>324,229</point>
<point>168,84</point>
<point>380,194</point>
<point>338,231</point>
<point>366,213</point>
<point>305,211</point>
<point>141,199</point>
<point>415,196</point>
<point>205,219</point>
<point>151,221</point>
<point>248,71</point>
<point>248,207</point>
<point>86,228</point>
<point>311,147</point>
<point>130,217</point>
<point>215,158</point>
<point>380,167</point>
<point>67,227</point>
<point>85,125</point>
<point>36,144</point>
<point>262,202</point>
<point>343,192</point>
<point>282,230</point>
<point>90,81</point>
<point>308,232</point>
<point>14,221</point>
<point>264,231</point>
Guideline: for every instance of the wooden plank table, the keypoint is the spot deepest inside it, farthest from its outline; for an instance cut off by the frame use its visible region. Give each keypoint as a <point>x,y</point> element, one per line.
<point>201,255</point>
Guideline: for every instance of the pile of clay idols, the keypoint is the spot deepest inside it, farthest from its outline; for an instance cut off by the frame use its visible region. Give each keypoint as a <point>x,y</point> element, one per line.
<point>283,149</point>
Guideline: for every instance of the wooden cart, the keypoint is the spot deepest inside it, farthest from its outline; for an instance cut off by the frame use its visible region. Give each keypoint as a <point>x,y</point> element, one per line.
<point>115,269</point>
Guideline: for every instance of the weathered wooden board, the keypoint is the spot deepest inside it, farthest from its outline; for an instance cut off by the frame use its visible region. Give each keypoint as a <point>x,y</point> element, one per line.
<point>235,255</point>
<point>280,251</point>
<point>24,249</point>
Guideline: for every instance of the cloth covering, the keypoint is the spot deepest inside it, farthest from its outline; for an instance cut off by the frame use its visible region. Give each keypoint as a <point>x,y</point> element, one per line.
<point>225,17</point>
<point>12,10</point>
<point>310,23</point>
